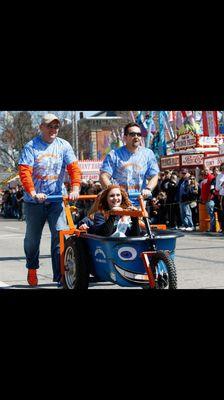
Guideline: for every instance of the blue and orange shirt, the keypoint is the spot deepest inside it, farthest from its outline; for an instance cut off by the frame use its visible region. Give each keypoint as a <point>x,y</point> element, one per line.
<point>130,170</point>
<point>42,167</point>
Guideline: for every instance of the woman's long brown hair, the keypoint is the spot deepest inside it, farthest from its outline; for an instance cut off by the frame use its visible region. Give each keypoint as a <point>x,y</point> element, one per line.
<point>101,203</point>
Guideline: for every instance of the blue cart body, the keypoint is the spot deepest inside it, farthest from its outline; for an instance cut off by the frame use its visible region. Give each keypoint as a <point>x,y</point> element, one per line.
<point>118,259</point>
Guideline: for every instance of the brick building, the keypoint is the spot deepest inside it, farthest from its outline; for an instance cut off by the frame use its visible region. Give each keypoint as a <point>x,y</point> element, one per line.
<point>97,134</point>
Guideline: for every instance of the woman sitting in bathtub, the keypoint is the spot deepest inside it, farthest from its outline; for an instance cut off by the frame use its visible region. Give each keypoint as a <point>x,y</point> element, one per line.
<point>100,223</point>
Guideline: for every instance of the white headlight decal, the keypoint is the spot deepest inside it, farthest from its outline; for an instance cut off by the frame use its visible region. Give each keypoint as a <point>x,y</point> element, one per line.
<point>130,276</point>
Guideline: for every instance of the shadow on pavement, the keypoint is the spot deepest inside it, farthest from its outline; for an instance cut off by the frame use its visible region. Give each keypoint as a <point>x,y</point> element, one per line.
<point>19,258</point>
<point>40,286</point>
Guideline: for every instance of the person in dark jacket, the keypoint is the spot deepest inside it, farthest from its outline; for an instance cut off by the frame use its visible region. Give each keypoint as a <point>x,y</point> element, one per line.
<point>99,222</point>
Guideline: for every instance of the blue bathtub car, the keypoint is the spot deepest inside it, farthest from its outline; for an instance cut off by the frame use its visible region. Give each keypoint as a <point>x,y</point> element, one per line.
<point>145,261</point>
<point>119,259</point>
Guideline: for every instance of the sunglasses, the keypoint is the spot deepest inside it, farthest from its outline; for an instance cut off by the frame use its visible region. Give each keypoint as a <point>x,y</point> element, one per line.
<point>132,134</point>
<point>53,126</point>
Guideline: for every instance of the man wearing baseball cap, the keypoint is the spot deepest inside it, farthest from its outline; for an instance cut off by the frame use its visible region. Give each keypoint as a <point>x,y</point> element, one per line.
<point>42,166</point>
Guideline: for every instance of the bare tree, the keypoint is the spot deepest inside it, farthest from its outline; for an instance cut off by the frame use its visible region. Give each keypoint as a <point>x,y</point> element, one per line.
<point>15,132</point>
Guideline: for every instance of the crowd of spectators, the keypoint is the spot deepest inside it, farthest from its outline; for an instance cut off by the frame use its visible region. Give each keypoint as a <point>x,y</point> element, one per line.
<point>175,201</point>
<point>12,203</point>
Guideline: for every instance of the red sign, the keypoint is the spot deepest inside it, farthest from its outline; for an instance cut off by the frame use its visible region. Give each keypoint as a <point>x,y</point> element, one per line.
<point>192,159</point>
<point>207,141</point>
<point>186,141</point>
<point>90,169</point>
<point>213,161</point>
<point>170,162</point>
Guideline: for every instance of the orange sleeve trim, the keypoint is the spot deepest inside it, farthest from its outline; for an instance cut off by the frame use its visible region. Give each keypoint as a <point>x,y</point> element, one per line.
<point>25,174</point>
<point>75,173</point>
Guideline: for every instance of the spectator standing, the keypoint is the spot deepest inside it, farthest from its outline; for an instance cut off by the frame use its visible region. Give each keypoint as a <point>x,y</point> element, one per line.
<point>185,210</point>
<point>219,189</point>
<point>206,197</point>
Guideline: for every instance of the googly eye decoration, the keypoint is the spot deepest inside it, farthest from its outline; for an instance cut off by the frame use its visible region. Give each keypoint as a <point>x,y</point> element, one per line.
<point>127,253</point>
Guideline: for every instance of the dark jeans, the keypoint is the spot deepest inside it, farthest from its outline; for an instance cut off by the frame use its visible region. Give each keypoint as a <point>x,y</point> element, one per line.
<point>36,216</point>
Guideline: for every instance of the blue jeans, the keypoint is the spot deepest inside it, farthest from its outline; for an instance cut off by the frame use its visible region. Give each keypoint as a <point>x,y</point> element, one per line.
<point>211,212</point>
<point>36,216</point>
<point>186,215</point>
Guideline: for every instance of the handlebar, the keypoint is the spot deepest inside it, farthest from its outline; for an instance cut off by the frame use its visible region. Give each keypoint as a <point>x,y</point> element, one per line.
<point>59,197</point>
<point>131,213</point>
<point>134,195</point>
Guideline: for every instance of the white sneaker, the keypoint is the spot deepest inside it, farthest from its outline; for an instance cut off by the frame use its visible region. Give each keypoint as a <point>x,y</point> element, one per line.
<point>182,228</point>
<point>189,229</point>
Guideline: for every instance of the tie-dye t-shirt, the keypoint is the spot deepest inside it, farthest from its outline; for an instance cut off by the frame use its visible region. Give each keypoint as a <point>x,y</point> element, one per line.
<point>130,170</point>
<point>49,161</point>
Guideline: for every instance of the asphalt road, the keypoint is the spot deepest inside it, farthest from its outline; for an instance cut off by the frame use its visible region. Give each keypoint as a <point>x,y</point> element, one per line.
<point>198,258</point>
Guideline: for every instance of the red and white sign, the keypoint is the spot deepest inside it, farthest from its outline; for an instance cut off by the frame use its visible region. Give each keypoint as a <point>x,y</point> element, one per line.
<point>186,141</point>
<point>214,161</point>
<point>210,123</point>
<point>90,169</point>
<point>170,162</point>
<point>90,165</point>
<point>192,159</point>
<point>206,141</point>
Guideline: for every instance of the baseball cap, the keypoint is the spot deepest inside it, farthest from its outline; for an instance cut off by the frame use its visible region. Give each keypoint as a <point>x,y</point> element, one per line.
<point>48,118</point>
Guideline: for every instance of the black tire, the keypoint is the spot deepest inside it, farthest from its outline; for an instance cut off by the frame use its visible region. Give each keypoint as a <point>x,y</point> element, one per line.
<point>76,268</point>
<point>167,280</point>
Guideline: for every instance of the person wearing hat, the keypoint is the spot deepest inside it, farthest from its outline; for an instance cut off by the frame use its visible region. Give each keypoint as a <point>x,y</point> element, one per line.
<point>42,166</point>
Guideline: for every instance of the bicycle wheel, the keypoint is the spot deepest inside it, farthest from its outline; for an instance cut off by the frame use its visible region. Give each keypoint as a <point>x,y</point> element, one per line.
<point>164,271</point>
<point>76,269</point>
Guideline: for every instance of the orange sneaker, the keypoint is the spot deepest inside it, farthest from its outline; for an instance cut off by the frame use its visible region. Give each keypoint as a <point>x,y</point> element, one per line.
<point>32,277</point>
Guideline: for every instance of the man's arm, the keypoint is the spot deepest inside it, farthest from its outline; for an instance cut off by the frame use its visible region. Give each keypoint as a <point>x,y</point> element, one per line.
<point>75,176</point>
<point>152,182</point>
<point>151,185</point>
<point>104,179</point>
<point>25,174</point>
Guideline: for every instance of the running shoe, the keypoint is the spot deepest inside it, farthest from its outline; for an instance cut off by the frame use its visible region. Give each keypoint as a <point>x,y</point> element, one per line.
<point>32,277</point>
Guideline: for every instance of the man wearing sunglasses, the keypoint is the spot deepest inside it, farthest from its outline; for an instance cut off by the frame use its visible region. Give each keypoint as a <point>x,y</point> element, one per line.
<point>42,167</point>
<point>132,166</point>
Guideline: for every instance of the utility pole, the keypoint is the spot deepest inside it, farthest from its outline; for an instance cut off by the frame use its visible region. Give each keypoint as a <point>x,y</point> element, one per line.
<point>75,141</point>
<point>73,130</point>
<point>76,136</point>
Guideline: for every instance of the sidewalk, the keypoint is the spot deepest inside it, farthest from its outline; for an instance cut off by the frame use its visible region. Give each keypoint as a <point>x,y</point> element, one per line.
<point>199,233</point>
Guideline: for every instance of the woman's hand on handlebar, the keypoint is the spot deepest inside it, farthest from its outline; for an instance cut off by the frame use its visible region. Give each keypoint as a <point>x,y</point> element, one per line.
<point>84,227</point>
<point>116,208</point>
